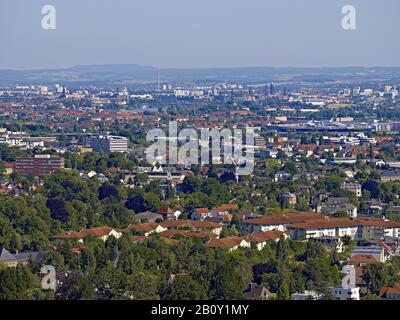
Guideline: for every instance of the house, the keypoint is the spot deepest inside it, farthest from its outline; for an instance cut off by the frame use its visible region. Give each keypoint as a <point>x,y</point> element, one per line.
<point>260,239</point>
<point>342,161</point>
<point>138,239</point>
<point>8,167</point>
<point>359,261</point>
<point>335,201</point>
<point>169,214</point>
<point>288,198</point>
<point>390,175</point>
<point>224,209</point>
<point>331,227</point>
<point>281,175</point>
<point>390,244</point>
<point>257,292</point>
<point>204,236</point>
<point>194,225</point>
<point>306,149</point>
<point>393,213</point>
<point>200,214</point>
<point>230,243</point>
<point>12,260</point>
<point>279,221</point>
<point>374,251</point>
<point>331,243</point>
<point>375,208</point>
<point>269,153</point>
<point>349,173</point>
<point>362,259</point>
<point>375,229</point>
<point>222,220</point>
<point>102,233</point>
<point>352,187</point>
<point>332,210</point>
<point>351,293</point>
<point>390,293</point>
<point>333,206</point>
<point>148,216</point>
<point>146,229</point>
<point>91,174</point>
<point>306,295</point>
<point>318,197</point>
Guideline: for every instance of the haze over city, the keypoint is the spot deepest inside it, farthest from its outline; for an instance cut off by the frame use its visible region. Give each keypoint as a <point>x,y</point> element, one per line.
<point>191,33</point>
<point>199,157</point>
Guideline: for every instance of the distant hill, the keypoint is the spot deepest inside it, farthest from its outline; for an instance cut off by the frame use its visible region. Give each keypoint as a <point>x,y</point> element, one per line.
<point>115,73</point>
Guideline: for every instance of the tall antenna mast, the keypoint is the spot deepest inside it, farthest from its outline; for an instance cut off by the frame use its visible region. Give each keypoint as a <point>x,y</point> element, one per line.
<point>158,79</point>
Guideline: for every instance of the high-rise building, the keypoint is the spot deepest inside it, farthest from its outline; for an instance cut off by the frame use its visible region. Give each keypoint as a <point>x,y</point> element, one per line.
<point>272,88</point>
<point>266,90</point>
<point>347,92</point>
<point>388,89</point>
<point>39,165</point>
<point>109,144</point>
<point>356,91</point>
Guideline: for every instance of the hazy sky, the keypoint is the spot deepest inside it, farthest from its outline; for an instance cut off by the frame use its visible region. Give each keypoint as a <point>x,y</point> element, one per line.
<point>206,33</point>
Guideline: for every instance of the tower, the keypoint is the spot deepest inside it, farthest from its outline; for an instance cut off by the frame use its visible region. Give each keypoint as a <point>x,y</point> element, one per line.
<point>272,88</point>
<point>158,79</point>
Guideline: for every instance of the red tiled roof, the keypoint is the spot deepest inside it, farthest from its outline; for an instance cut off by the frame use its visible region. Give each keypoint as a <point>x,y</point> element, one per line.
<point>202,210</point>
<point>390,290</point>
<point>226,207</point>
<point>143,227</point>
<point>100,231</point>
<point>325,223</point>
<point>285,218</point>
<point>377,223</point>
<point>192,223</point>
<point>259,237</point>
<point>227,243</point>
<point>138,238</point>
<point>188,233</point>
<point>97,232</point>
<point>364,258</point>
<point>165,211</point>
<point>69,235</point>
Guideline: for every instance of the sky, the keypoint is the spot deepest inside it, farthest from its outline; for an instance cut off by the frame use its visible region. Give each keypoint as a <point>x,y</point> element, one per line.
<point>206,33</point>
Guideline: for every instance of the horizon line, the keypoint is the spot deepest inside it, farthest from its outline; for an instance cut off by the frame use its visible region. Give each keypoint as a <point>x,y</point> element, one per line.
<point>199,67</point>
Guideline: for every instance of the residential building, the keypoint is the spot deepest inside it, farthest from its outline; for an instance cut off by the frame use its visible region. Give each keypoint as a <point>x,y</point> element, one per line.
<point>390,293</point>
<point>257,292</point>
<point>377,252</point>
<point>331,243</point>
<point>102,233</point>
<point>38,165</point>
<point>200,214</point>
<point>288,198</point>
<point>279,221</point>
<point>351,293</point>
<point>148,216</point>
<point>260,239</point>
<point>331,227</point>
<point>146,229</point>
<point>230,243</point>
<point>352,187</point>
<point>205,226</point>
<point>169,214</point>
<point>377,229</point>
<point>109,144</point>
<point>12,260</point>
<point>306,295</point>
<point>333,210</point>
<point>390,175</point>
